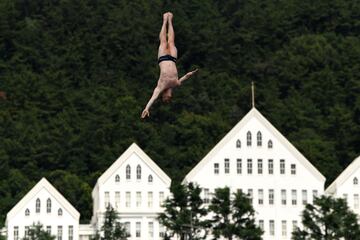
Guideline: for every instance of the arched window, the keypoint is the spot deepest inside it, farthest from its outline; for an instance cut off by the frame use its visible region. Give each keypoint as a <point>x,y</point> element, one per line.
<point>27,212</point>
<point>117,178</point>
<point>355,181</point>
<point>150,178</point>
<point>238,143</point>
<point>248,138</point>
<point>128,172</point>
<point>60,212</point>
<point>138,172</point>
<point>37,206</point>
<point>270,144</point>
<point>48,205</point>
<point>259,138</point>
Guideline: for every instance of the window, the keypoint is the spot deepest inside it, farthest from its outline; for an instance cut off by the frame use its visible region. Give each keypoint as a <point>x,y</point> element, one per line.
<point>150,199</point>
<point>60,212</point>
<point>16,233</point>
<point>304,197</point>
<point>138,199</point>
<point>37,206</point>
<point>161,199</point>
<point>248,138</point>
<point>293,197</point>
<point>238,166</point>
<point>261,224</point>
<point>271,166</point>
<point>271,196</point>
<point>259,139</point>
<point>249,166</point>
<point>161,231</point>
<point>48,229</point>
<point>48,205</point>
<point>117,178</point>
<point>270,144</point>
<point>261,196</point>
<point>272,227</point>
<point>283,228</point>
<point>260,166</point>
<point>356,201</point>
<point>282,166</point>
<point>283,197</point>
<point>107,199</point>
<point>345,196</point>
<point>315,194</point>
<point>293,169</point>
<point>27,231</point>
<point>71,232</point>
<point>151,229</point>
<point>117,200</point>
<point>238,144</point>
<point>128,199</point>
<point>59,233</point>
<point>128,172</point>
<point>216,168</point>
<point>127,228</point>
<point>355,181</point>
<point>138,172</point>
<point>206,196</point>
<point>27,212</point>
<point>294,225</point>
<point>227,165</point>
<point>150,178</point>
<point>138,229</point>
<point>250,195</point>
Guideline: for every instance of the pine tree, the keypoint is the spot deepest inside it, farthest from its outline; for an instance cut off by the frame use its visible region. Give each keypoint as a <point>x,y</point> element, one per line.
<point>36,232</point>
<point>112,229</point>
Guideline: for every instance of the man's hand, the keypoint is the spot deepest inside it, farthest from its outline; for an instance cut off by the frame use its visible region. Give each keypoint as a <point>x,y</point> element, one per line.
<point>145,113</point>
<point>186,76</point>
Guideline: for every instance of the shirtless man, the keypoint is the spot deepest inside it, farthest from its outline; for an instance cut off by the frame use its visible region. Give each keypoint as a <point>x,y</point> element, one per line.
<point>167,56</point>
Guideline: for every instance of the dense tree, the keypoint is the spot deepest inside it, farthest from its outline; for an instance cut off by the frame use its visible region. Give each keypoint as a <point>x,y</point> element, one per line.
<point>328,219</point>
<point>36,232</point>
<point>233,217</point>
<point>111,228</point>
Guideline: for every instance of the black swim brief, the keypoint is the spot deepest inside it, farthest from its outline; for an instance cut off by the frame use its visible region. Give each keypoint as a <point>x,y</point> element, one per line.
<point>167,58</point>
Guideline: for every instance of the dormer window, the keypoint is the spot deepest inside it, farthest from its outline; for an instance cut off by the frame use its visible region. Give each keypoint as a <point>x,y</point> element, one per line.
<point>128,172</point>
<point>355,181</point>
<point>37,206</point>
<point>270,144</point>
<point>138,172</point>
<point>117,178</point>
<point>150,178</point>
<point>48,205</point>
<point>248,138</point>
<point>27,212</point>
<point>259,139</point>
<point>238,143</point>
<point>60,212</point>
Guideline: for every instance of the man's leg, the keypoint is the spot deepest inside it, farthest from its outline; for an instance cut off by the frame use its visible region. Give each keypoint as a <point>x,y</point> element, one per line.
<point>162,36</point>
<point>171,37</point>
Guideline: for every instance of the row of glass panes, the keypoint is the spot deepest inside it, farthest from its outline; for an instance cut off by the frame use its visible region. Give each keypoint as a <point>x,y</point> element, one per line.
<point>127,226</point>
<point>48,229</point>
<point>128,175</point>
<point>139,199</point>
<point>249,165</point>
<point>284,229</point>
<point>355,200</point>
<point>249,140</point>
<point>271,196</point>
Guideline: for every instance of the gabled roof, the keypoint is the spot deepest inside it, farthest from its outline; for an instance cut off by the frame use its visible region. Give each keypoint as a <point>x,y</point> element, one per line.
<point>254,113</point>
<point>134,149</point>
<point>44,184</point>
<point>355,165</point>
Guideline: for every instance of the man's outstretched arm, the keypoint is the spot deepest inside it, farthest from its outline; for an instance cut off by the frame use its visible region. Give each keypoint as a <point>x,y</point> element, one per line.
<point>155,95</point>
<point>186,76</point>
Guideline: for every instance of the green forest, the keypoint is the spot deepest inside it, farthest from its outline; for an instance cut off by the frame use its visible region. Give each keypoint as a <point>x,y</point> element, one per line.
<point>76,74</point>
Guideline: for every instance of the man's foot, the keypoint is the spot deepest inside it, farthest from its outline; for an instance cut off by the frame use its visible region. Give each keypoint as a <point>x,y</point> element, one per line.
<point>165,16</point>
<point>170,16</point>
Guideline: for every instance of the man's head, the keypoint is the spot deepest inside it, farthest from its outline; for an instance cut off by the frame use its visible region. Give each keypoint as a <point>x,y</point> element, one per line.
<point>166,95</point>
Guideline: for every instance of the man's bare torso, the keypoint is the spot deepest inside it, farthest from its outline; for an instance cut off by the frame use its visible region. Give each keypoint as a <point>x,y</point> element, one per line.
<point>168,75</point>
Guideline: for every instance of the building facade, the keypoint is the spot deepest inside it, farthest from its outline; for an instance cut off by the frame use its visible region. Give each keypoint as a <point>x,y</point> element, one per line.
<point>347,186</point>
<point>255,158</point>
<point>136,187</point>
<point>44,205</point>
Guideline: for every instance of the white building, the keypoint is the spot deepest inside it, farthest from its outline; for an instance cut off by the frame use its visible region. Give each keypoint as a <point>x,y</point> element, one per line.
<point>256,158</point>
<point>136,187</point>
<point>45,205</point>
<point>347,186</point>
